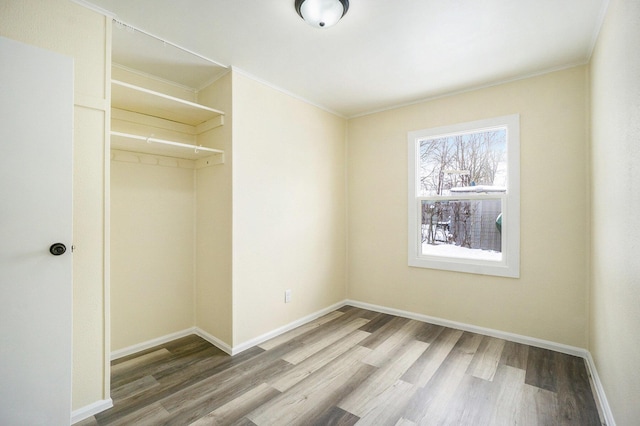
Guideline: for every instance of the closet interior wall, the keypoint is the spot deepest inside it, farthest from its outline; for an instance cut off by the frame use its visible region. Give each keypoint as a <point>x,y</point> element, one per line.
<point>167,242</point>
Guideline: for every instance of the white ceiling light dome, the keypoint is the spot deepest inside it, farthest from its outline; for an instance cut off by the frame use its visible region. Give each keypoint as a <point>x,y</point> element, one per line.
<point>322,13</point>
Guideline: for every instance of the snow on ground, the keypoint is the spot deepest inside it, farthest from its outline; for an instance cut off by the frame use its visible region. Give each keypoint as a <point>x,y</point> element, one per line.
<point>451,250</point>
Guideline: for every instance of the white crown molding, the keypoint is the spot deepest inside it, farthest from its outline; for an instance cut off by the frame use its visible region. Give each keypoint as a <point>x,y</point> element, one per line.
<point>213,80</point>
<point>91,410</point>
<point>95,8</point>
<point>472,89</point>
<point>286,92</point>
<point>599,24</point>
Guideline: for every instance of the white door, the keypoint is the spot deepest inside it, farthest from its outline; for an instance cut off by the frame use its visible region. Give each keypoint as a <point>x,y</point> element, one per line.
<point>36,129</point>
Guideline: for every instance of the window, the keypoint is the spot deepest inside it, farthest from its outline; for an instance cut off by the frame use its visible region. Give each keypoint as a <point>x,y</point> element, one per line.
<point>464,201</point>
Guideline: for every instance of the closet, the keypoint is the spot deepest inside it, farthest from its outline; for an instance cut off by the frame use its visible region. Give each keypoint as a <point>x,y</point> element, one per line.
<point>170,197</point>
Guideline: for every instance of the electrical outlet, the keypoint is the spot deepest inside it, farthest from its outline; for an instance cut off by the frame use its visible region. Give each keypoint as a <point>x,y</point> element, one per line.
<point>287,296</point>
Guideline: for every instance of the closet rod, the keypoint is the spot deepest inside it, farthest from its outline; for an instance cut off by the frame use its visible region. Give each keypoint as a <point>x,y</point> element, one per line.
<point>196,148</point>
<point>120,24</point>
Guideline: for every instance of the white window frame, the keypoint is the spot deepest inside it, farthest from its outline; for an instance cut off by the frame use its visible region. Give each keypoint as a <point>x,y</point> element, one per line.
<point>509,266</point>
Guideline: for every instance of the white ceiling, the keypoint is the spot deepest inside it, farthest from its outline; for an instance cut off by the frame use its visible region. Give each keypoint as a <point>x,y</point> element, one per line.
<point>383,53</point>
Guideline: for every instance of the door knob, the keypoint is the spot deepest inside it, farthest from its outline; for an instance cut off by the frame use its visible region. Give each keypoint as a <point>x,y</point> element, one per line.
<point>57,249</point>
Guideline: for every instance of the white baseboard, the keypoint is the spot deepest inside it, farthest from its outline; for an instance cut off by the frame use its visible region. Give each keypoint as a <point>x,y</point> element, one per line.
<point>512,337</point>
<point>599,389</point>
<point>214,341</point>
<point>120,353</point>
<point>151,343</point>
<point>278,331</point>
<point>91,410</point>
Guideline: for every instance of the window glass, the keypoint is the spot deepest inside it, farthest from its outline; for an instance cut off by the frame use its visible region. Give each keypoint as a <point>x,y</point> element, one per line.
<point>464,197</point>
<point>463,164</point>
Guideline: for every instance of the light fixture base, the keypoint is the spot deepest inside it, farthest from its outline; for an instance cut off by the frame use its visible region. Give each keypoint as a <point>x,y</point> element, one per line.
<point>321,13</point>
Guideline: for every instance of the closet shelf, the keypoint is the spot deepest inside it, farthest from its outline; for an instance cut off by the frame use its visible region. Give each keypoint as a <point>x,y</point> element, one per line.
<point>155,146</point>
<point>134,98</point>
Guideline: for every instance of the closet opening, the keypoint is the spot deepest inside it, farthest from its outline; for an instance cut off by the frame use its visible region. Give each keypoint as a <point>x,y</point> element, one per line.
<point>170,193</point>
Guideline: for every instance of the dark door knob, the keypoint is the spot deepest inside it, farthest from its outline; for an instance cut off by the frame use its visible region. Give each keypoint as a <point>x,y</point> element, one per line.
<point>57,249</point>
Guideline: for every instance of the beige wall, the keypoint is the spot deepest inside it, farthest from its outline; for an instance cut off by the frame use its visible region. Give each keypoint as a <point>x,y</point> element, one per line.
<point>214,222</point>
<point>549,301</point>
<point>289,205</point>
<point>615,159</point>
<point>296,170</point>
<point>152,250</point>
<point>67,28</point>
<point>288,208</point>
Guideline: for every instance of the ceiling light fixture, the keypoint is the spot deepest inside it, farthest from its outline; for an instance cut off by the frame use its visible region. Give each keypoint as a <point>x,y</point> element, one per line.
<point>322,13</point>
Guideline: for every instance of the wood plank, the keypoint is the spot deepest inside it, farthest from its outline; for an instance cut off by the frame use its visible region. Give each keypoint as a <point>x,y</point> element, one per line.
<point>541,369</point>
<point>312,364</point>
<point>235,409</point>
<point>395,343</point>
<point>537,406</point>
<point>91,421</point>
<point>134,388</point>
<point>383,332</point>
<point>126,366</point>
<point>470,404</point>
<point>298,331</point>
<point>377,322</point>
<point>311,347</point>
<point>331,326</point>
<point>575,398</point>
<point>315,394</point>
<point>149,415</point>
<point>429,362</point>
<point>487,358</point>
<point>202,364</point>
<point>404,422</point>
<point>174,383</point>
<point>509,385</point>
<point>187,345</point>
<point>232,380</point>
<point>481,402</point>
<point>428,332</point>
<point>192,403</point>
<point>389,406</point>
<point>353,312</point>
<point>429,403</point>
<point>515,355</point>
<point>373,391</point>
<point>336,416</point>
<point>243,422</point>
<point>180,358</point>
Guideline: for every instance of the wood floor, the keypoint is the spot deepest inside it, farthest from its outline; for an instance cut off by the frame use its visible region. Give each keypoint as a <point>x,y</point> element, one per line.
<point>352,366</point>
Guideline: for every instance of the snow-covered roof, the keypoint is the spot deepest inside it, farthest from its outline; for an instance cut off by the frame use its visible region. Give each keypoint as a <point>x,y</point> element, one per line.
<point>479,188</point>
